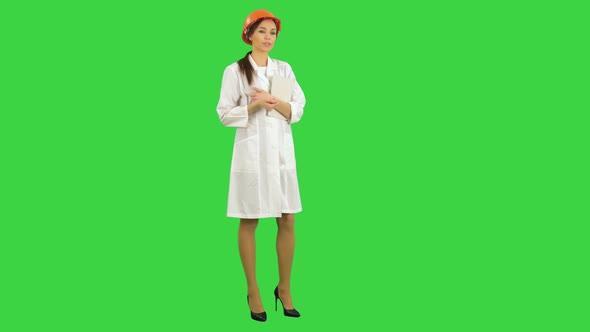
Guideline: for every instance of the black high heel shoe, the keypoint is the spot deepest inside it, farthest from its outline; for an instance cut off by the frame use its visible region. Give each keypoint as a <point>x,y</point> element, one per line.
<point>261,317</point>
<point>286,312</point>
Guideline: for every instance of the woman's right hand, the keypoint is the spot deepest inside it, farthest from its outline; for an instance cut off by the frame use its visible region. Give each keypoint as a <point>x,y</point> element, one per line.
<point>261,98</point>
<point>256,105</point>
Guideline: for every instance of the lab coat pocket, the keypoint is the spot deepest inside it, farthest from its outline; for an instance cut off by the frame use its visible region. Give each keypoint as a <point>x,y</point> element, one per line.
<point>289,151</point>
<point>245,155</point>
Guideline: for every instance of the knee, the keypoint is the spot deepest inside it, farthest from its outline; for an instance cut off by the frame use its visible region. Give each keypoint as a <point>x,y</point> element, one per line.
<point>248,224</point>
<point>286,221</point>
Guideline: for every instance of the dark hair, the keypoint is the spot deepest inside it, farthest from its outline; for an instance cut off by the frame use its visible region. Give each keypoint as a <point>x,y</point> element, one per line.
<point>246,68</point>
<point>244,63</point>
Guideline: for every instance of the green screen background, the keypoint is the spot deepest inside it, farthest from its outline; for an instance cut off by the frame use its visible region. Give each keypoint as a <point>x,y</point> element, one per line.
<point>441,159</point>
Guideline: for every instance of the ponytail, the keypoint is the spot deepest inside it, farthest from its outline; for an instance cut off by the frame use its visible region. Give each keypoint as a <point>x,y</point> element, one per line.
<point>246,68</point>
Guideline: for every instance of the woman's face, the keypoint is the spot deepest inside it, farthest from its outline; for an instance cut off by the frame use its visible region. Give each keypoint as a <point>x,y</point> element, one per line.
<point>264,36</point>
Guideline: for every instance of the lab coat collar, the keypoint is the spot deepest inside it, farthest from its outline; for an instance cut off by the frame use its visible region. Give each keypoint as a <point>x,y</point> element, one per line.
<point>270,67</point>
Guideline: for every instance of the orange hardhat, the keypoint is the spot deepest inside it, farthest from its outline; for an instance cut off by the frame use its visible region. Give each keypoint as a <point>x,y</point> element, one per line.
<point>255,16</point>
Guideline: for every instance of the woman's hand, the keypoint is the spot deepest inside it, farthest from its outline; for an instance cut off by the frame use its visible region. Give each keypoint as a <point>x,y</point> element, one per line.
<point>263,99</point>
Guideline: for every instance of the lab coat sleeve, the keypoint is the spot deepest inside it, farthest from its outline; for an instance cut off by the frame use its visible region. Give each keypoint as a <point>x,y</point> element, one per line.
<point>230,112</point>
<point>297,100</point>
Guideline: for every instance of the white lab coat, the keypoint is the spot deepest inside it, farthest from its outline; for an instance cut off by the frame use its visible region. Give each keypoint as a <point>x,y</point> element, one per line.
<point>263,177</point>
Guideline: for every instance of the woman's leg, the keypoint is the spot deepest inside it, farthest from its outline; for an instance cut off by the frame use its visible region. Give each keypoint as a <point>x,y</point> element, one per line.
<point>285,251</point>
<point>247,246</point>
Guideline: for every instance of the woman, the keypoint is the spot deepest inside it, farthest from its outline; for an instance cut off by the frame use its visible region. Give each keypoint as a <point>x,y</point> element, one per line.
<point>263,177</point>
